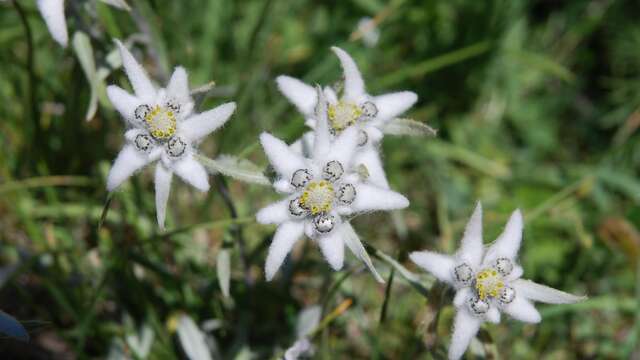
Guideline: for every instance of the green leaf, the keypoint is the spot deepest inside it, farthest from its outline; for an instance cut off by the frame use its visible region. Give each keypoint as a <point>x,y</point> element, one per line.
<point>239,169</point>
<point>192,339</point>
<point>409,127</point>
<point>120,4</point>
<point>84,53</point>
<point>223,266</point>
<point>352,240</point>
<point>308,319</point>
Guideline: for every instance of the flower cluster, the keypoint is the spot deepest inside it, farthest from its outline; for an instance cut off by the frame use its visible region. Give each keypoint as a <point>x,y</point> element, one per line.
<point>333,173</point>
<point>355,108</point>
<point>488,281</point>
<point>321,191</point>
<point>162,128</point>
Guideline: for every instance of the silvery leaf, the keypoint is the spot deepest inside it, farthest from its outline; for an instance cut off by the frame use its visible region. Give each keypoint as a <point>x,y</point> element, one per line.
<point>408,127</point>
<point>192,339</point>
<point>352,240</point>
<point>223,265</point>
<point>239,169</point>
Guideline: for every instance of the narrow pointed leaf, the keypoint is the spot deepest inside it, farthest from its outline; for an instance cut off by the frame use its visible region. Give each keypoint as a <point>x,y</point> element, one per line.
<point>545,294</point>
<point>352,240</point>
<point>408,127</point>
<point>239,169</point>
<point>223,267</point>
<point>84,51</point>
<point>192,339</point>
<point>308,319</point>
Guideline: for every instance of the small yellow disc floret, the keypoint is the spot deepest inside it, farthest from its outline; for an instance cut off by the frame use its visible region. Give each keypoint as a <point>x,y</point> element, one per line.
<point>343,114</point>
<point>161,122</point>
<point>488,283</point>
<point>318,197</point>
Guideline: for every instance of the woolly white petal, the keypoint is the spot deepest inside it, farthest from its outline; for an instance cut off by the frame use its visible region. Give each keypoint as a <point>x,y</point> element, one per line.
<point>52,12</point>
<point>198,126</point>
<point>392,105</point>
<point>129,161</point>
<point>353,83</point>
<point>303,96</point>
<point>461,296</point>
<point>331,95</point>
<point>344,147</point>
<point>538,292</point>
<point>332,247</point>
<point>471,248</point>
<point>369,157</point>
<point>178,86</point>
<point>138,77</point>
<point>371,198</point>
<point>123,102</point>
<point>508,243</point>
<point>275,213</point>
<point>322,136</point>
<point>304,145</point>
<point>284,160</point>
<point>522,309</point>
<point>283,240</point>
<point>465,327</point>
<point>516,273</point>
<point>439,265</point>
<point>493,315</point>
<point>192,172</point>
<point>163,187</point>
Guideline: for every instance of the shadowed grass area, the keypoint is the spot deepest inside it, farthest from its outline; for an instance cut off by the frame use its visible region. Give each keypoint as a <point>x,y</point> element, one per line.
<point>537,106</point>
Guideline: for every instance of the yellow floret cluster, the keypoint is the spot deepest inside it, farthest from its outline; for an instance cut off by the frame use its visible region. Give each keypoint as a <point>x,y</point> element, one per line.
<point>317,197</point>
<point>488,283</point>
<point>161,122</point>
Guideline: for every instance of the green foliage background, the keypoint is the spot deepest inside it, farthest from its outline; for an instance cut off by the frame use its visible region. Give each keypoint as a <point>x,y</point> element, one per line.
<point>537,105</point>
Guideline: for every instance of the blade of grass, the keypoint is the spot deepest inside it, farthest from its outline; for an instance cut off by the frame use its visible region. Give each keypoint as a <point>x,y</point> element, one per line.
<point>434,64</point>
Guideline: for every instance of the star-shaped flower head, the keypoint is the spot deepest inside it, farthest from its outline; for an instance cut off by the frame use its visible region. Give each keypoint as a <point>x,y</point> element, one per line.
<point>322,192</point>
<point>488,281</point>
<point>161,126</point>
<point>52,12</point>
<point>355,108</point>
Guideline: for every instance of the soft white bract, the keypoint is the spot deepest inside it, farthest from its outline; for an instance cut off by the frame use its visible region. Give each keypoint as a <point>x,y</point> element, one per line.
<point>355,108</point>
<point>488,281</point>
<point>163,129</point>
<point>321,193</point>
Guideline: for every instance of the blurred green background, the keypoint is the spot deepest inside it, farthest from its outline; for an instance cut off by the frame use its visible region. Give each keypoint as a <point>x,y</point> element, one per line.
<point>537,104</point>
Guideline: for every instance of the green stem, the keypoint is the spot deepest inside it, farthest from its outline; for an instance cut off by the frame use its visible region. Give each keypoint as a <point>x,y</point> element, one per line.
<point>32,104</point>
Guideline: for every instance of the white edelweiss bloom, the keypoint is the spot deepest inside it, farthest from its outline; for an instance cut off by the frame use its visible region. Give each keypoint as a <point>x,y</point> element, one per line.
<point>161,126</point>
<point>52,11</point>
<point>356,108</point>
<point>321,191</point>
<point>488,281</point>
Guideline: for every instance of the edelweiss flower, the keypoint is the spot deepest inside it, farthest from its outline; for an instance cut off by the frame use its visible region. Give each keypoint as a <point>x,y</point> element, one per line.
<point>321,192</point>
<point>161,127</point>
<point>52,12</point>
<point>488,281</point>
<point>368,114</point>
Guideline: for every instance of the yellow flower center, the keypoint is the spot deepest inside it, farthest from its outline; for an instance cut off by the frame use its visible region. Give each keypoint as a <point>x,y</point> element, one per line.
<point>317,197</point>
<point>342,115</point>
<point>488,283</point>
<point>161,122</point>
